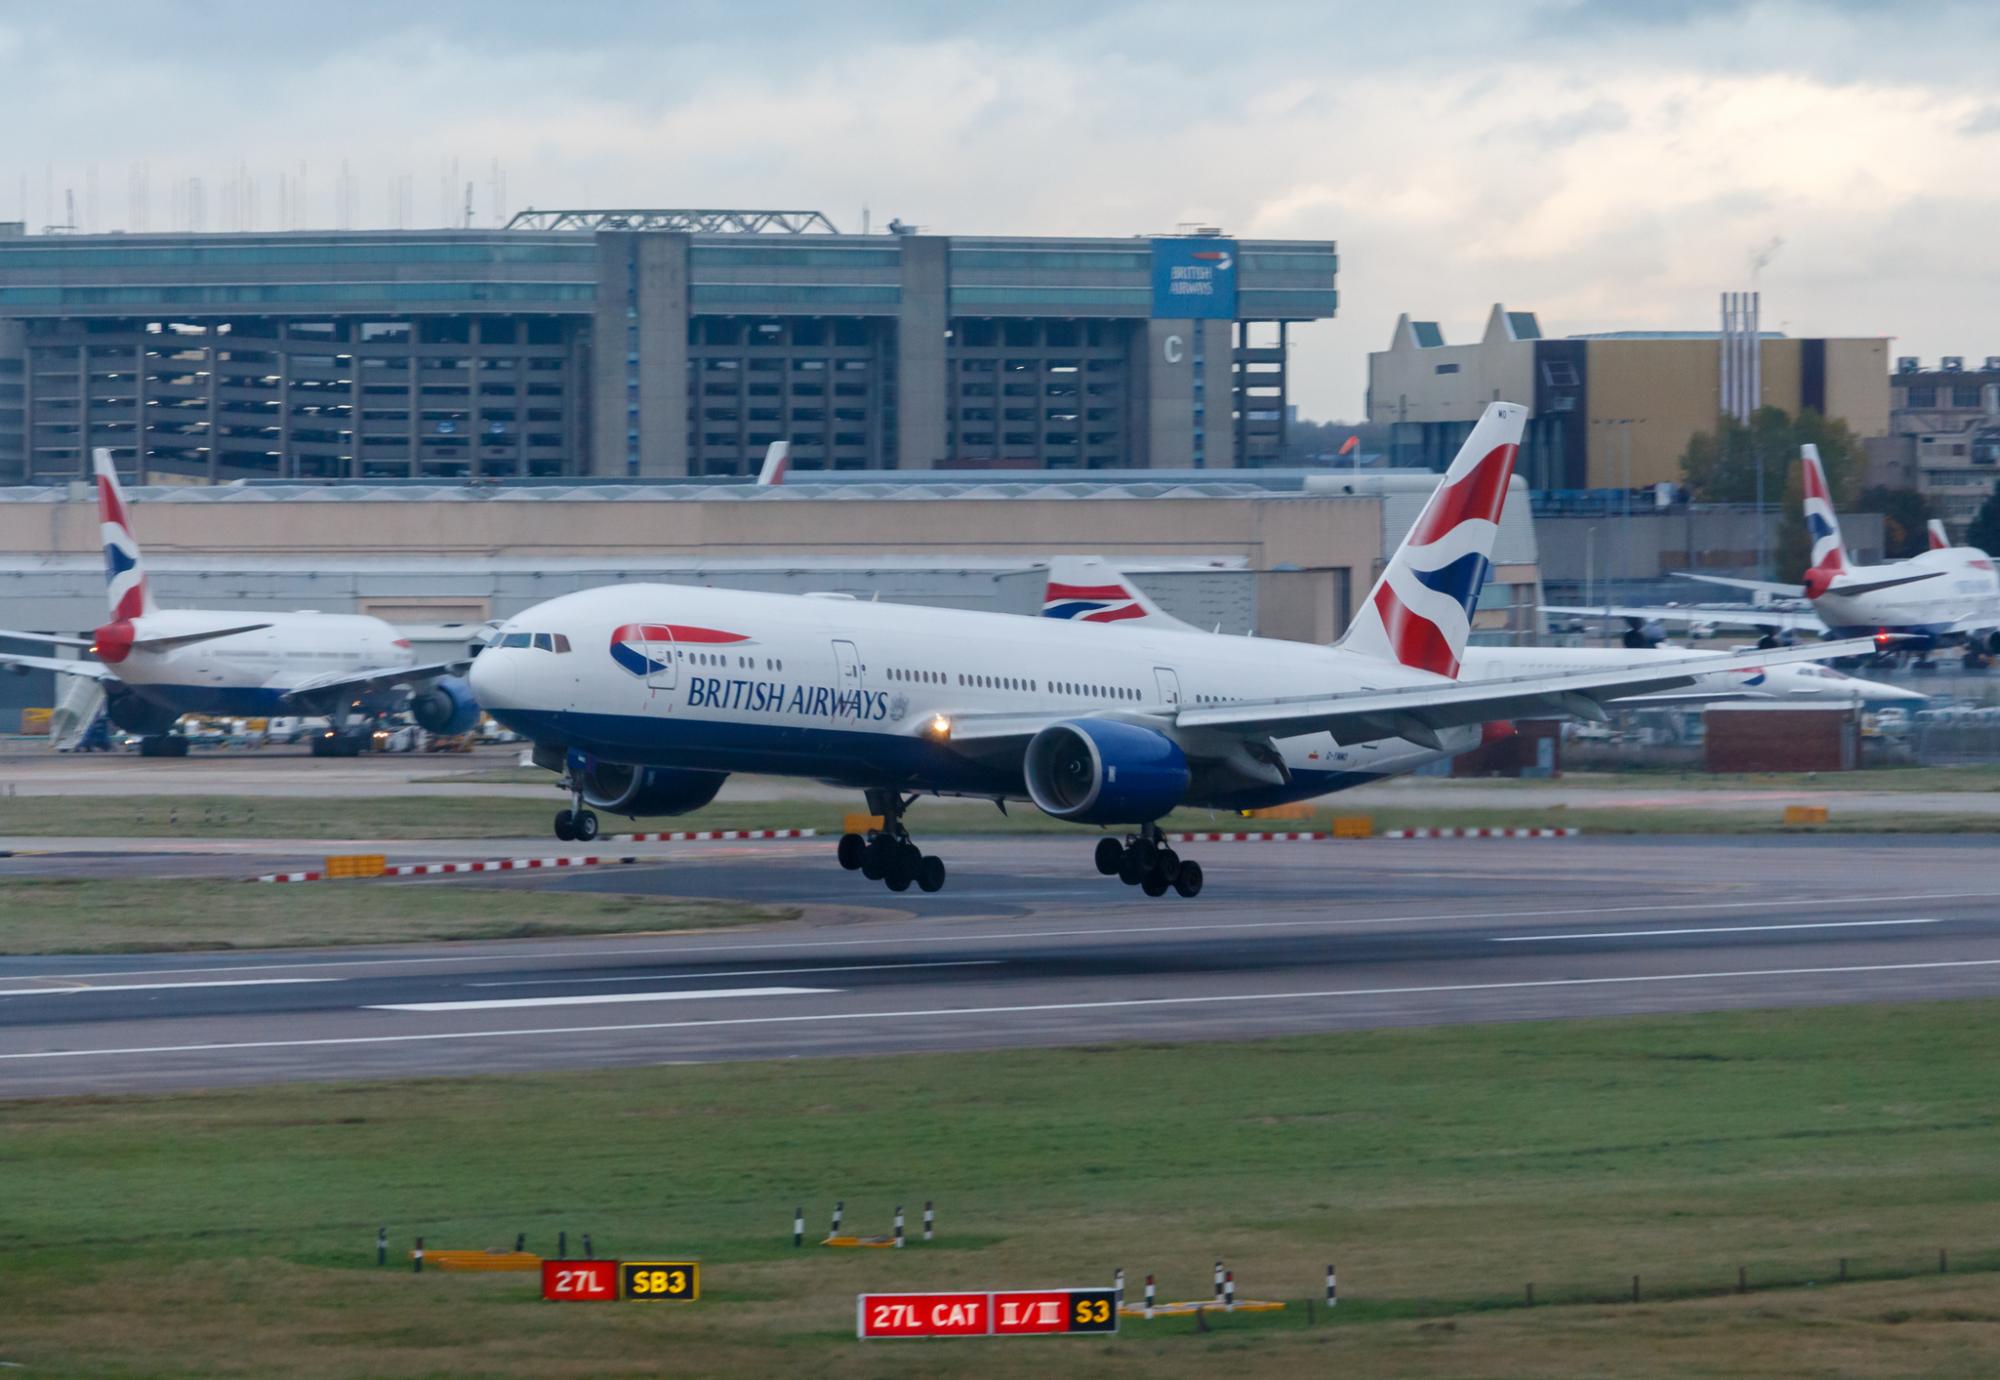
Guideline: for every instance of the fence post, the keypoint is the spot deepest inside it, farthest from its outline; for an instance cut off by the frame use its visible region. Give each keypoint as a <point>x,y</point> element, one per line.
<point>417,1260</point>
<point>899,1226</point>
<point>1118,1287</point>
<point>1332,1288</point>
<point>930,1219</point>
<point>798,1226</point>
<point>1218,1280</point>
<point>838,1208</point>
<point>1149,1296</point>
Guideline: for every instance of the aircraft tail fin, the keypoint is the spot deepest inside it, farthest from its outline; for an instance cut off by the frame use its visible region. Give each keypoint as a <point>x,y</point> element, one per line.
<point>1940,539</point>
<point>1419,613</point>
<point>1087,589</point>
<point>1829,552</point>
<point>777,459</point>
<point>126,590</point>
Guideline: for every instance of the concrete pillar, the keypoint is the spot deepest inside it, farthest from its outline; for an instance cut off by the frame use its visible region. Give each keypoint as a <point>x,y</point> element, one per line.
<point>663,354</point>
<point>921,357</point>
<point>614,348</point>
<point>1219,389</point>
<point>1167,387</point>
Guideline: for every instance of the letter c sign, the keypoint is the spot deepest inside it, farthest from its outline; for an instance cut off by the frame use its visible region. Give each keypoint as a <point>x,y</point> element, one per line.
<point>1174,348</point>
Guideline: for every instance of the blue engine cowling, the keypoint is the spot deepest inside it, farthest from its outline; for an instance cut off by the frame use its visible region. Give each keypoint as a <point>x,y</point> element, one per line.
<point>445,707</point>
<point>1099,771</point>
<point>637,791</point>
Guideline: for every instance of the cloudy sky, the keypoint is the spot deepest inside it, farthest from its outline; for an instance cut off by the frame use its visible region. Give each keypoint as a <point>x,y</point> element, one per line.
<point>1608,165</point>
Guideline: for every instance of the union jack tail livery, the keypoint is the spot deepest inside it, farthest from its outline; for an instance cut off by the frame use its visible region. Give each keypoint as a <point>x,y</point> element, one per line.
<point>1940,540</point>
<point>777,460</point>
<point>124,568</point>
<point>1829,553</point>
<point>1085,589</point>
<point>1420,611</point>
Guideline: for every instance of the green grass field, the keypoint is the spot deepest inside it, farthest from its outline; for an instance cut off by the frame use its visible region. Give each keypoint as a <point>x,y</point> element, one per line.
<point>231,1233</point>
<point>461,817</point>
<point>88,915</point>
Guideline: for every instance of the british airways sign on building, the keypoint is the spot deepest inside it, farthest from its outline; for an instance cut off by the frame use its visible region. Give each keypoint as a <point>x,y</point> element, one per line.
<point>1194,279</point>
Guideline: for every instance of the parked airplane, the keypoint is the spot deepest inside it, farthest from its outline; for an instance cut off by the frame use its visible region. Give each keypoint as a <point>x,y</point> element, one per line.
<point>1089,589</point>
<point>157,664</point>
<point>777,460</point>
<point>648,696</point>
<point>1944,595</point>
<point>1940,540</point>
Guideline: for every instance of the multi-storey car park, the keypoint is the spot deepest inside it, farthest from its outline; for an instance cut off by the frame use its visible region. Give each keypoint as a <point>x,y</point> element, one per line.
<point>642,343</point>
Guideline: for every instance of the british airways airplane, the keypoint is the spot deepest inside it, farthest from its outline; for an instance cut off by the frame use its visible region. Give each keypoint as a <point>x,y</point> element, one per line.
<point>1943,595</point>
<point>647,696</point>
<point>158,664</point>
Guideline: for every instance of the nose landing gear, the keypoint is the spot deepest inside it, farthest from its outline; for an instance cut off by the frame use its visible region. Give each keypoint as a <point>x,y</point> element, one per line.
<point>1146,862</point>
<point>578,824</point>
<point>888,855</point>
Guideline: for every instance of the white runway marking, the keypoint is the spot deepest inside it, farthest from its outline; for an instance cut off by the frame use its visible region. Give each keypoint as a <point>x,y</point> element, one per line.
<point>601,999</point>
<point>668,950</point>
<point>1709,929</point>
<point>947,1012</point>
<point>750,972</point>
<point>151,986</point>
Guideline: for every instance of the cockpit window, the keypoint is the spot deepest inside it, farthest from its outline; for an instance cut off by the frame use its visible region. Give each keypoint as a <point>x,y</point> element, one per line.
<point>544,643</point>
<point>562,642</point>
<point>540,642</point>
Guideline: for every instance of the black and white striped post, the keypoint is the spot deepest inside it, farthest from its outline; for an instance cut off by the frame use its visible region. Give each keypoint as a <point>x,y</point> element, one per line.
<point>381,1245</point>
<point>1218,1279</point>
<point>798,1226</point>
<point>1332,1288</point>
<point>899,1226</point>
<point>1118,1287</point>
<point>1229,1290</point>
<point>930,1219</point>
<point>417,1258</point>
<point>1149,1296</point>
<point>838,1208</point>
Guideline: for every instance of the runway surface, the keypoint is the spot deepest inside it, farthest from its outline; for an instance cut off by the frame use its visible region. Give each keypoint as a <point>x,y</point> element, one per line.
<point>1028,946</point>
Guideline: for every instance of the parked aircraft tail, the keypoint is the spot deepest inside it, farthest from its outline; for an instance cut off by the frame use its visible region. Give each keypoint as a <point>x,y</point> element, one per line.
<point>1940,540</point>
<point>777,459</point>
<point>126,589</point>
<point>1829,553</point>
<point>1089,589</point>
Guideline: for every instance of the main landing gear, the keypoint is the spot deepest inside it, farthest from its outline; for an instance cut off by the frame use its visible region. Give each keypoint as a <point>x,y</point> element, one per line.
<point>1147,863</point>
<point>888,855</point>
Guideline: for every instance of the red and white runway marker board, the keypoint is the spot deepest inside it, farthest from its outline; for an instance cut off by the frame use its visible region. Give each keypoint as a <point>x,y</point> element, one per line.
<point>580,1281</point>
<point>1011,1313</point>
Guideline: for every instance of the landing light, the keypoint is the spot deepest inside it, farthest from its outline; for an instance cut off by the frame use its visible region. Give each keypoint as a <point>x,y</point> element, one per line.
<point>939,727</point>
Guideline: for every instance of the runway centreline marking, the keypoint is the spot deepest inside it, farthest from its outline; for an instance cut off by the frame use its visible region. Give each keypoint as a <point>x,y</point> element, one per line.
<point>1710,929</point>
<point>600,999</point>
<point>152,986</point>
<point>488,955</point>
<point>1032,1009</point>
<point>752,972</point>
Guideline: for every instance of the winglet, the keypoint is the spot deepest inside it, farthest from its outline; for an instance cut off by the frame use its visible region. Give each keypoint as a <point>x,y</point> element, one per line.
<point>1940,539</point>
<point>1420,611</point>
<point>777,459</point>
<point>126,589</point>
<point>1088,589</point>
<point>1829,553</point>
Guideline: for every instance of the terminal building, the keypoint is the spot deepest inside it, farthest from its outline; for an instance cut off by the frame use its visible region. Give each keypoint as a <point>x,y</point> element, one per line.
<point>1944,435</point>
<point>652,344</point>
<point>1614,410</point>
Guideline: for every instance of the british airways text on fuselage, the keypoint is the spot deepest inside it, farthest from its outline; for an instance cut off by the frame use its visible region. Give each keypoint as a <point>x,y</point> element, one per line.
<point>781,697</point>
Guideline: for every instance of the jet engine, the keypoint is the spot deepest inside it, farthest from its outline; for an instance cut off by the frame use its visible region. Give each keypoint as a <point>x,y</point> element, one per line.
<point>1099,771</point>
<point>636,791</point>
<point>1643,634</point>
<point>135,715</point>
<point>445,707</point>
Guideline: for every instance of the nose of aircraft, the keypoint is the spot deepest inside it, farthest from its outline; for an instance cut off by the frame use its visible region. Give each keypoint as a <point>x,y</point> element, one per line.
<point>488,680</point>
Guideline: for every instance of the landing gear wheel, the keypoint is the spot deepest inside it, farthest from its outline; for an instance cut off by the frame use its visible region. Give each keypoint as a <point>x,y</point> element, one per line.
<point>1155,884</point>
<point>1132,867</point>
<point>585,825</point>
<point>565,826</point>
<point>902,866</point>
<point>1188,882</point>
<point>874,856</point>
<point>850,851</point>
<point>1110,852</point>
<point>930,874</point>
<point>1168,864</point>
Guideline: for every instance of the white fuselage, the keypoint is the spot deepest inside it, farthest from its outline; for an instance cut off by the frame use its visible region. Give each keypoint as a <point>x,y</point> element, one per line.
<point>839,690</point>
<point>251,672</point>
<point>1966,590</point>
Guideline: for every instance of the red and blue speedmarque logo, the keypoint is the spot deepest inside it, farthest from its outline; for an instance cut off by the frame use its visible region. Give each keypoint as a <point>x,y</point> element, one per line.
<point>645,648</point>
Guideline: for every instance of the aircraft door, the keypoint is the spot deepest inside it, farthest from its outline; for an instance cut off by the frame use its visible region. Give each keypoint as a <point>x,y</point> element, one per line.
<point>847,674</point>
<point>1170,686</point>
<point>662,671</point>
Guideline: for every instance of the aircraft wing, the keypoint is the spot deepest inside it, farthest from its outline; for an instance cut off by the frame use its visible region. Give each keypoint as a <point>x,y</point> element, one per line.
<point>1738,615</point>
<point>62,666</point>
<point>335,684</point>
<point>1417,712</point>
<point>1755,586</point>
<point>50,639</point>
<point>1870,586</point>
